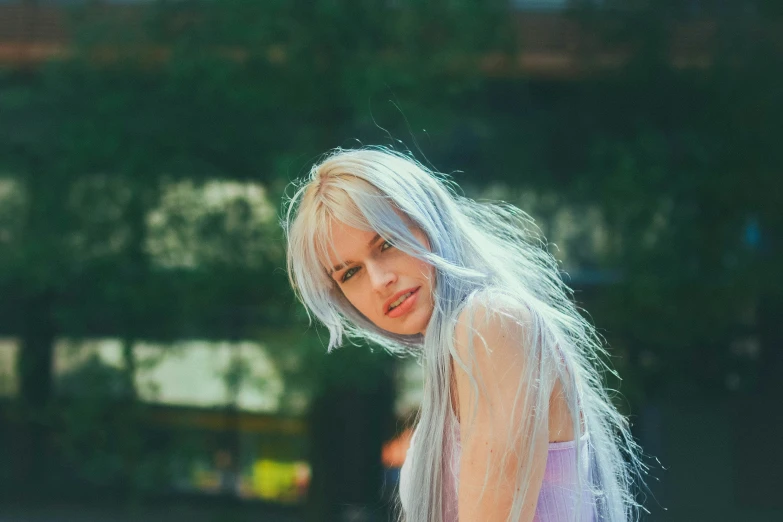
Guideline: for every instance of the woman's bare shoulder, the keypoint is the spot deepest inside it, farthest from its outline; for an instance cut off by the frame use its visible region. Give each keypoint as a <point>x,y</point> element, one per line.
<point>491,339</point>
<point>490,314</point>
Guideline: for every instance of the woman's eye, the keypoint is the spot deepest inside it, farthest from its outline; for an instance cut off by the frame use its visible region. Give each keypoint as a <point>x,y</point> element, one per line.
<point>386,245</point>
<point>348,273</point>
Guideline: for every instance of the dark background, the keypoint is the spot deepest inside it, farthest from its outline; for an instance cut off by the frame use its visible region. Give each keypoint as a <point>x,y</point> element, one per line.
<point>145,147</point>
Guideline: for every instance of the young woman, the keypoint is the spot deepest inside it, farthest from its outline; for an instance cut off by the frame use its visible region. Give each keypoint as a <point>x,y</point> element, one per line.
<point>514,424</point>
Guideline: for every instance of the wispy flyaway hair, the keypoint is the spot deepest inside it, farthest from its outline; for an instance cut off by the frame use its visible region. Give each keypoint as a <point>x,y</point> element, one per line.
<point>486,257</point>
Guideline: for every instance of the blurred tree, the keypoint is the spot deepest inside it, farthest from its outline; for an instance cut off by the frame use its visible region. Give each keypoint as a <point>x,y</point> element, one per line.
<point>164,102</point>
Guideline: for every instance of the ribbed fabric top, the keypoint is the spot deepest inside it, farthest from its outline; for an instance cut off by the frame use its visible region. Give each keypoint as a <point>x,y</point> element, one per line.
<point>557,500</point>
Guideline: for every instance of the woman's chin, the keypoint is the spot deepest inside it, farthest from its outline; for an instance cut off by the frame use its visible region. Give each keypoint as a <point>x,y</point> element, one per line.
<point>412,327</point>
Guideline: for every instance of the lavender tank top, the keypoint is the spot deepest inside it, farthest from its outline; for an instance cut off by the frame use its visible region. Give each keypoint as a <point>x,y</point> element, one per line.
<point>559,490</point>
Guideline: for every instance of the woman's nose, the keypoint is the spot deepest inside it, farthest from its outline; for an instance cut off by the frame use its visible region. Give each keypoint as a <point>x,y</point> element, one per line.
<point>380,276</point>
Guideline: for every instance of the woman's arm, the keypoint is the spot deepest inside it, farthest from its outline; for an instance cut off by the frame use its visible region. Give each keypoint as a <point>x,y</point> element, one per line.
<point>499,361</point>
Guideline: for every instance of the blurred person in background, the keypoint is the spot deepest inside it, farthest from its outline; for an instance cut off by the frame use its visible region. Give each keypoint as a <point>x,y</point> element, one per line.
<point>515,423</point>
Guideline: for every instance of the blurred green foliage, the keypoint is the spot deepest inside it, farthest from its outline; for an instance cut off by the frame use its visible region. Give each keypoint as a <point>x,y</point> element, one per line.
<point>158,102</point>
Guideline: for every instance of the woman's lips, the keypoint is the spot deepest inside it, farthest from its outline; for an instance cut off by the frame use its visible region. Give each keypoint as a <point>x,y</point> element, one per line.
<point>405,306</point>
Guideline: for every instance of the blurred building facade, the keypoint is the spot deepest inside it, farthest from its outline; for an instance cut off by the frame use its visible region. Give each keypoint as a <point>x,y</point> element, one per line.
<point>553,42</point>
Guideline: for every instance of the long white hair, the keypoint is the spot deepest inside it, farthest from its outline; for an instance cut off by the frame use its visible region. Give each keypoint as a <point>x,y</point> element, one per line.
<point>481,252</point>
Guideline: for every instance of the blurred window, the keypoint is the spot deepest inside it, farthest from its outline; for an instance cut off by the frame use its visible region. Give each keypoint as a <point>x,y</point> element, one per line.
<point>9,383</point>
<point>188,373</point>
<point>216,222</point>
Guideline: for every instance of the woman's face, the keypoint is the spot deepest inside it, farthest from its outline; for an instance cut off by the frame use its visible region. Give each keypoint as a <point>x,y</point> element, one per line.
<point>391,288</point>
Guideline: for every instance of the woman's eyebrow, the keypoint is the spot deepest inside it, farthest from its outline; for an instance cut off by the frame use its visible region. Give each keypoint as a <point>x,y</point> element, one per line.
<point>342,265</point>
